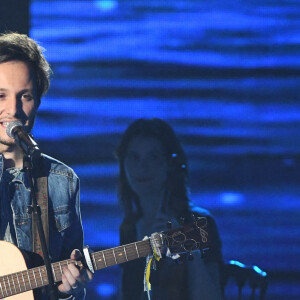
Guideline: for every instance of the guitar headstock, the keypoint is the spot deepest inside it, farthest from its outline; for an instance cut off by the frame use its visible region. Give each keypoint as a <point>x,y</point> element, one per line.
<point>184,239</point>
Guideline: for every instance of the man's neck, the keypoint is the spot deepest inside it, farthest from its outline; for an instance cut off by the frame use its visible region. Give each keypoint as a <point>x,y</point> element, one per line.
<point>13,157</point>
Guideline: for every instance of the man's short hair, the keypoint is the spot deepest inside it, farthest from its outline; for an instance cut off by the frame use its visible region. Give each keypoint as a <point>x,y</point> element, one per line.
<point>20,47</point>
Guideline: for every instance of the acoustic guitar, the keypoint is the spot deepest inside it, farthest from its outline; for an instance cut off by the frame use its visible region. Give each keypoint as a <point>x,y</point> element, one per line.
<point>17,282</point>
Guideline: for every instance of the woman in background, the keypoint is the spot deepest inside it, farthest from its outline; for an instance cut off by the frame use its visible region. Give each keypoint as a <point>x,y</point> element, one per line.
<point>153,190</point>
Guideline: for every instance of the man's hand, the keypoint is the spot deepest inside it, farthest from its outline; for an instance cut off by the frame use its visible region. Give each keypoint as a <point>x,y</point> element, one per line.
<point>73,279</point>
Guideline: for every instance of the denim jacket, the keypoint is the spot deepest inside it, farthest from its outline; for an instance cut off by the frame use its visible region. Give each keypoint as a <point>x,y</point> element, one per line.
<point>65,227</point>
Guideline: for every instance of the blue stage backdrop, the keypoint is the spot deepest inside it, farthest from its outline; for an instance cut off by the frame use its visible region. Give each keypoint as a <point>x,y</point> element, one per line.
<point>224,74</point>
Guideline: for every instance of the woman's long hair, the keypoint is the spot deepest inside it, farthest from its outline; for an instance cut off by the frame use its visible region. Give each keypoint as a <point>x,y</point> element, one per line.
<point>176,185</point>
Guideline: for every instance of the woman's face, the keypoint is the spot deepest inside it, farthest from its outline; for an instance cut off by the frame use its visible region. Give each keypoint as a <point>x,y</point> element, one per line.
<point>145,166</point>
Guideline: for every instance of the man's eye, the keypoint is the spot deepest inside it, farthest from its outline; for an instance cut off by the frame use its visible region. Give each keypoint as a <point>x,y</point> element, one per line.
<point>28,97</point>
<point>2,96</point>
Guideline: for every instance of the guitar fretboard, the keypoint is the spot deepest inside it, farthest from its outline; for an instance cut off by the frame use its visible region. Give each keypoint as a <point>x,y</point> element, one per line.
<point>23,281</point>
<point>121,254</point>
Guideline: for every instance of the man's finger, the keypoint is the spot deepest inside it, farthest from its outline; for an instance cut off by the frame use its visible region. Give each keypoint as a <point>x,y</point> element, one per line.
<point>76,254</point>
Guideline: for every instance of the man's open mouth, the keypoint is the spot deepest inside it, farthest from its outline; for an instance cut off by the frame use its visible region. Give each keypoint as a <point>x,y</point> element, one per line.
<point>4,124</point>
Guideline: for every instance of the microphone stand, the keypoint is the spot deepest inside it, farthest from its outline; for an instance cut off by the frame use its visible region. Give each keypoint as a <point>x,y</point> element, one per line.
<point>36,214</point>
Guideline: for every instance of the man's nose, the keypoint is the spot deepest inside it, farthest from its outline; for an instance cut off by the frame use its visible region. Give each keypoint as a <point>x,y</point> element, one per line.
<point>13,106</point>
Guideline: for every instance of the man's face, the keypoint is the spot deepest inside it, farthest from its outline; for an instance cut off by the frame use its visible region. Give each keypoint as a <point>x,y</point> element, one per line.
<point>17,98</point>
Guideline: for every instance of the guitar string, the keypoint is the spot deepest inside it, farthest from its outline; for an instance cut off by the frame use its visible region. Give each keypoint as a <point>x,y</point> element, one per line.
<point>33,278</point>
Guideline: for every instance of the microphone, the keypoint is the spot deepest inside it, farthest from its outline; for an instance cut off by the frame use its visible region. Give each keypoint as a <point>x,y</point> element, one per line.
<point>23,139</point>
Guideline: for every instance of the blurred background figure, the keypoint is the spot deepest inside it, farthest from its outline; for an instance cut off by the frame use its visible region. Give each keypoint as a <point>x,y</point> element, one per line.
<point>153,190</point>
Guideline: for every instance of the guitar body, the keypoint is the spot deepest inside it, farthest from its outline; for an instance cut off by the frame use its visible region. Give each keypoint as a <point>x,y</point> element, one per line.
<point>12,261</point>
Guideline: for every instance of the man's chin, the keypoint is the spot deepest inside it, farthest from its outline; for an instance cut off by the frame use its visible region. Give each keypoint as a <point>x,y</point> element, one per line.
<point>7,142</point>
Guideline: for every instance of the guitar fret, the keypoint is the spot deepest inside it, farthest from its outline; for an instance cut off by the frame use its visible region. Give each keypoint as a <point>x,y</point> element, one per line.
<point>125,253</point>
<point>29,281</point>
<point>60,267</point>
<point>9,284</point>
<point>41,276</point>
<point>54,274</point>
<point>45,276</point>
<point>95,264</point>
<point>13,281</point>
<point>36,284</point>
<point>5,287</point>
<point>137,251</point>
<point>100,260</point>
<point>114,256</point>
<point>1,290</point>
<point>104,258</point>
<point>23,281</point>
<point>131,251</point>
<point>119,252</point>
<point>19,282</point>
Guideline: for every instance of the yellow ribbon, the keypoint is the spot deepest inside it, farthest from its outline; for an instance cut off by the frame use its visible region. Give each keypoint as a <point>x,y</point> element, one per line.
<point>149,261</point>
<point>148,269</point>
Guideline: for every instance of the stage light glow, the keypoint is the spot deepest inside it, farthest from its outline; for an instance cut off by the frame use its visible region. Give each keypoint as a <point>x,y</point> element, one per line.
<point>232,198</point>
<point>106,5</point>
<point>105,290</point>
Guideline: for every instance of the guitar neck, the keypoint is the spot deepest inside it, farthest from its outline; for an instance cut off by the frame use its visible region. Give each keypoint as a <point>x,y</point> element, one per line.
<point>23,281</point>
<point>184,239</point>
<point>121,254</point>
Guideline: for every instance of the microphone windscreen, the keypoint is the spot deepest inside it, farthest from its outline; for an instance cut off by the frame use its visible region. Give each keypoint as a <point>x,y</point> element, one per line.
<point>11,126</point>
